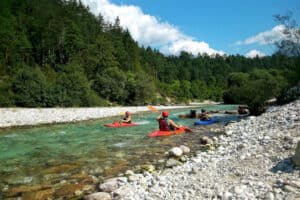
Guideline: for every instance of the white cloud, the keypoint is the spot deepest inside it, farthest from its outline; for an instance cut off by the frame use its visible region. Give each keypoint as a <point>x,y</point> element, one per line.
<point>148,30</point>
<point>266,37</point>
<point>254,53</point>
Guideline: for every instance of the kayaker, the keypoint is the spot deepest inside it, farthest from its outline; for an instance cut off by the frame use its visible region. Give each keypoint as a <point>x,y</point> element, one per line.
<point>242,110</point>
<point>204,115</point>
<point>166,124</point>
<point>126,118</point>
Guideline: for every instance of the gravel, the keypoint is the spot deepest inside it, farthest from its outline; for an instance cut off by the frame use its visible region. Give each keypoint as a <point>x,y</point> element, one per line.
<point>253,160</point>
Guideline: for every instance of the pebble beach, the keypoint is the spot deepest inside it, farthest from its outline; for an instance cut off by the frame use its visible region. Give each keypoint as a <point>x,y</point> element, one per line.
<point>11,117</point>
<point>253,159</point>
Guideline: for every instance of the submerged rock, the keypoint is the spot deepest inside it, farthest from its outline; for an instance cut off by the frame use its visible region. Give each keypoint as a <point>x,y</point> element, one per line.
<point>172,162</point>
<point>98,196</point>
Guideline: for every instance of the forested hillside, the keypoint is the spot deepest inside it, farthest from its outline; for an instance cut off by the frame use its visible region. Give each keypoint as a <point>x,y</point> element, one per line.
<point>56,53</point>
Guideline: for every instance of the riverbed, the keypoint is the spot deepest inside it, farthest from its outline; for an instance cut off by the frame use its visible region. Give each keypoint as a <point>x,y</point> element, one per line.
<point>65,155</point>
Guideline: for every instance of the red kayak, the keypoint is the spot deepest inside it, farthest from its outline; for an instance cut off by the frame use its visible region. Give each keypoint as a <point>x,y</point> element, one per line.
<point>119,125</point>
<point>159,133</point>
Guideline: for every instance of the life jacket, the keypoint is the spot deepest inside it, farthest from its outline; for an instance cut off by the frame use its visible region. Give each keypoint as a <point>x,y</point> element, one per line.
<point>163,124</point>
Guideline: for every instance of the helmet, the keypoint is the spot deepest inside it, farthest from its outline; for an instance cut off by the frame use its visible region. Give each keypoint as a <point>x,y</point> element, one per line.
<point>165,113</point>
<point>127,113</point>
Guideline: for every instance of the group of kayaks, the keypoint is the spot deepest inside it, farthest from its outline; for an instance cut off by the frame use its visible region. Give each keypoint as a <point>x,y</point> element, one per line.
<point>159,133</point>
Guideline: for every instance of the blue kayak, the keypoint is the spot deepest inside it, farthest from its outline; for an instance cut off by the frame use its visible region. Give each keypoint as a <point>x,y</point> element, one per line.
<point>206,122</point>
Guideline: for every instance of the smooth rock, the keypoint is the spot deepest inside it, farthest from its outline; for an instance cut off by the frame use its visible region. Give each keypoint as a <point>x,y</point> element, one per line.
<point>172,162</point>
<point>109,186</point>
<point>289,188</point>
<point>206,140</point>
<point>185,149</point>
<point>98,196</point>
<point>176,152</point>
<point>135,177</point>
<point>129,172</point>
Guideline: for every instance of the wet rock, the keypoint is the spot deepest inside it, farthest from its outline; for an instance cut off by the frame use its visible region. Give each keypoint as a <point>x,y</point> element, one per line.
<point>206,140</point>
<point>17,191</point>
<point>148,168</point>
<point>109,185</point>
<point>68,191</point>
<point>185,149</point>
<point>172,162</point>
<point>98,196</point>
<point>296,157</point>
<point>38,195</point>
<point>176,152</point>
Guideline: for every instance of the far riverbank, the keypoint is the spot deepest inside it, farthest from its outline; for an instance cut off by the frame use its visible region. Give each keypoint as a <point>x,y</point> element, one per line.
<point>15,117</point>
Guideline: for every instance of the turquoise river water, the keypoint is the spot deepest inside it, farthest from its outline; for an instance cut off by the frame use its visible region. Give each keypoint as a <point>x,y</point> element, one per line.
<point>49,154</point>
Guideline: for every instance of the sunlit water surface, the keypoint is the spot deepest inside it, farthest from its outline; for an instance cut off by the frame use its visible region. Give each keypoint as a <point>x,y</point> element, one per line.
<point>49,154</point>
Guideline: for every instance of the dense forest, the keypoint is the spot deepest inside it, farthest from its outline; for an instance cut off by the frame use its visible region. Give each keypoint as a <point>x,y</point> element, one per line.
<point>56,53</point>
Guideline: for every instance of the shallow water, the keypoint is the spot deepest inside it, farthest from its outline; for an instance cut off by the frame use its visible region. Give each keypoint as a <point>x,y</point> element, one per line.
<point>49,154</point>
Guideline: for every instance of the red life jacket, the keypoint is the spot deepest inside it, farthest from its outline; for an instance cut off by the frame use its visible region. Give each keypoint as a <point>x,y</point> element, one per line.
<point>163,124</point>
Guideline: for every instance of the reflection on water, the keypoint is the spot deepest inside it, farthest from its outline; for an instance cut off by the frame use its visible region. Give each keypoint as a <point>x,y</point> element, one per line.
<point>50,154</point>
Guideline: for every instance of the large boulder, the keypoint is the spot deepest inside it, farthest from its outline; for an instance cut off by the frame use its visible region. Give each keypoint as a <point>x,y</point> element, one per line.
<point>296,158</point>
<point>98,196</point>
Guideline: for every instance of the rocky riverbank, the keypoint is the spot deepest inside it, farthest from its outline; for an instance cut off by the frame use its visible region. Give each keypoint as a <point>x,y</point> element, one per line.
<point>10,117</point>
<point>253,160</point>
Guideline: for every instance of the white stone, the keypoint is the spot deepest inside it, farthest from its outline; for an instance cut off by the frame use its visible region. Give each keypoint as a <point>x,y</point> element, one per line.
<point>175,151</point>
<point>185,149</point>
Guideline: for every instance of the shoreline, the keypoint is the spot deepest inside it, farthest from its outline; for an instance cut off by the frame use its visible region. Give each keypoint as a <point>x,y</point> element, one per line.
<point>253,159</point>
<point>31,117</point>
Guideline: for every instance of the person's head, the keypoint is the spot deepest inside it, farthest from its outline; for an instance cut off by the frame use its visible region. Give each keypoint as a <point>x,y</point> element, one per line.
<point>203,110</point>
<point>127,113</point>
<point>165,114</point>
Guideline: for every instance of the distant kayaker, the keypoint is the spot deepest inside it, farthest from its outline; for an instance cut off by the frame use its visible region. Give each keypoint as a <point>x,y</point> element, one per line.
<point>242,110</point>
<point>126,118</point>
<point>166,124</point>
<point>204,115</point>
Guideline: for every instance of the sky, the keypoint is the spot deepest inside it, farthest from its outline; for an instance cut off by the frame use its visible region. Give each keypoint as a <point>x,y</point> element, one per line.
<point>244,27</point>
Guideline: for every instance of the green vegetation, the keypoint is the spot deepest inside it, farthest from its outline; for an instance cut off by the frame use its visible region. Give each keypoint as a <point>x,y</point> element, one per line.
<point>56,53</point>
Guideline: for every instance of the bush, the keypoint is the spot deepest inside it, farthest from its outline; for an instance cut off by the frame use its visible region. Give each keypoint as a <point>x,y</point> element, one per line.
<point>289,95</point>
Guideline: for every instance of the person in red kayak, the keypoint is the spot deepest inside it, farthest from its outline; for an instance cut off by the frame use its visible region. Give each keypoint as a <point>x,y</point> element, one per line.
<point>166,124</point>
<point>126,118</point>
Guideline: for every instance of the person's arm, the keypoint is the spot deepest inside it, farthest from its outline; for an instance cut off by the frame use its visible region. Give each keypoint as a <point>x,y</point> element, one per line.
<point>171,122</point>
<point>126,120</point>
<point>158,118</point>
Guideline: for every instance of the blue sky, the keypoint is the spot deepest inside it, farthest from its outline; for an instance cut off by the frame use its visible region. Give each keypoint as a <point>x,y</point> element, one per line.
<point>221,26</point>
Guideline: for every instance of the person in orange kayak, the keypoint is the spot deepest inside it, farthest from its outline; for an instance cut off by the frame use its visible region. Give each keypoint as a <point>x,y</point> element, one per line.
<point>166,124</point>
<point>126,118</point>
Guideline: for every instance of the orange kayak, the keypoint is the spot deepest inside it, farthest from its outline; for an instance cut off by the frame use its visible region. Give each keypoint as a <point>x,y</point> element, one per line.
<point>159,133</point>
<point>119,125</point>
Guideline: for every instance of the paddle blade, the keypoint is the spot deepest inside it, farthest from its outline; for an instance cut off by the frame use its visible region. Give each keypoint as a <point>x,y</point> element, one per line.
<point>153,109</point>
